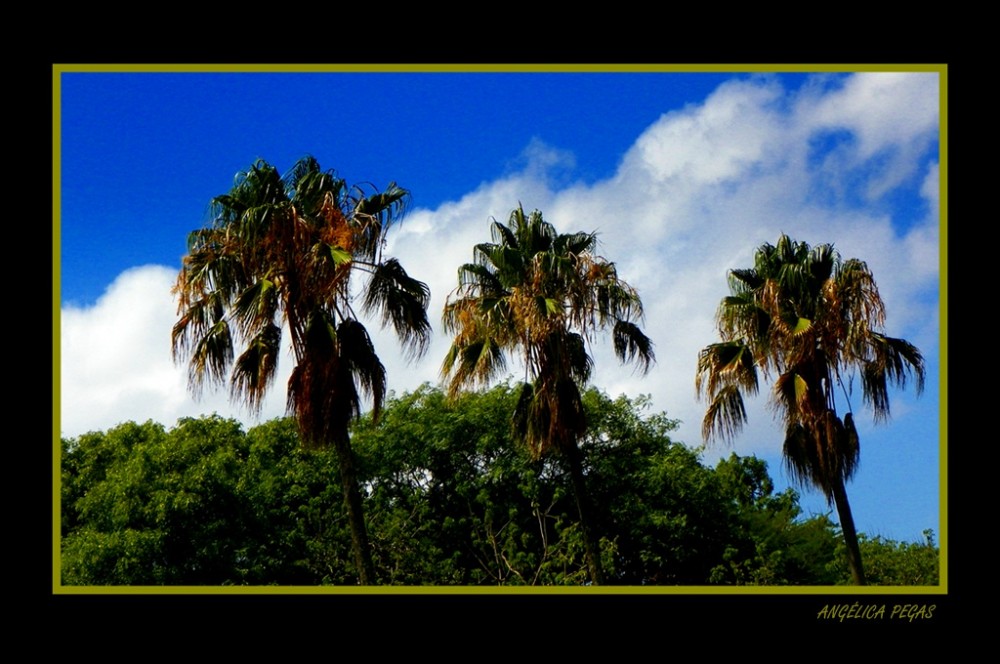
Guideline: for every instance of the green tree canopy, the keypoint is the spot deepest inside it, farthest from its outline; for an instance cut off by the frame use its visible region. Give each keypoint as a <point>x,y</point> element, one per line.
<point>449,501</point>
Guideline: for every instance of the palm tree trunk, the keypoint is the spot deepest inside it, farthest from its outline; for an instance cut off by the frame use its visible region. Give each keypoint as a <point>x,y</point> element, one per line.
<point>850,534</point>
<point>355,511</point>
<point>575,461</point>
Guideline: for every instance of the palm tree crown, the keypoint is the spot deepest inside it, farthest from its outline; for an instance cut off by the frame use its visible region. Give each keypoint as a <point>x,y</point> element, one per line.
<point>545,295</point>
<point>282,250</point>
<point>814,322</point>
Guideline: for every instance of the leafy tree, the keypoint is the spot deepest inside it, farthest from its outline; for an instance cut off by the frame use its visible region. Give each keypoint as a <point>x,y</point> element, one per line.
<point>544,295</point>
<point>453,502</point>
<point>163,509</point>
<point>282,251</point>
<point>449,501</point>
<point>201,504</point>
<point>814,322</point>
<point>892,563</point>
<point>775,546</point>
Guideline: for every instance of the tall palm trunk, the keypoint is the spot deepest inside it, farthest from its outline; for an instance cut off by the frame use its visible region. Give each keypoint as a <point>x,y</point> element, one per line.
<point>355,511</point>
<point>574,457</point>
<point>850,534</point>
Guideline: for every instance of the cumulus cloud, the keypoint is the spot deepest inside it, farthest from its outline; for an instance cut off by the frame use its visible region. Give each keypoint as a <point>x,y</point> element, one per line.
<point>116,364</point>
<point>698,190</point>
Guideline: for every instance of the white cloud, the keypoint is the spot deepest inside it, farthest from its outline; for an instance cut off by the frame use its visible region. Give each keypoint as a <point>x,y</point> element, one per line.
<point>116,363</point>
<point>890,117</point>
<point>711,143</point>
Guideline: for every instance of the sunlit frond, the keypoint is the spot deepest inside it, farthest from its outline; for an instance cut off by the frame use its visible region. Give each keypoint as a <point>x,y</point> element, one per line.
<point>477,362</point>
<point>372,214</point>
<point>729,363</point>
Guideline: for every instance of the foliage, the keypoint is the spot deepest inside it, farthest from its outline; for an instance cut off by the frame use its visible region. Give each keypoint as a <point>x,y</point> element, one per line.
<point>449,500</point>
<point>814,322</point>
<point>282,250</point>
<point>783,548</point>
<point>892,563</point>
<point>144,507</point>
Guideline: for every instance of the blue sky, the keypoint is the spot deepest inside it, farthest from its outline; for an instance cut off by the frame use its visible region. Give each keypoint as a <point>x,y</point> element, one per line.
<point>682,175</point>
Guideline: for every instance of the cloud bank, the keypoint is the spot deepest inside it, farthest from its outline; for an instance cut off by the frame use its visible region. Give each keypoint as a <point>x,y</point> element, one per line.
<point>693,196</point>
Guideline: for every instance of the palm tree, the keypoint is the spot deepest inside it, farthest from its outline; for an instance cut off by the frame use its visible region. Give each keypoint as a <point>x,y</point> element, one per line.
<point>282,251</point>
<point>544,295</point>
<point>814,322</point>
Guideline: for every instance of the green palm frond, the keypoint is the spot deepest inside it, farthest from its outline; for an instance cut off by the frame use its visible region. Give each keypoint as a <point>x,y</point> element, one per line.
<point>574,244</point>
<point>503,235</point>
<point>632,345</point>
<point>477,362</point>
<point>890,362</point>
<point>481,277</point>
<point>615,299</point>
<point>402,301</point>
<point>256,307</point>
<point>373,214</point>
<point>360,365</point>
<point>729,363</point>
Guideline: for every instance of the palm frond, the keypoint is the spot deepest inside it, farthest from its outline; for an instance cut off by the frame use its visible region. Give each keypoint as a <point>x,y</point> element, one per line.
<point>211,356</point>
<point>402,301</point>
<point>891,362</point>
<point>574,244</point>
<point>570,349</point>
<point>504,235</point>
<point>256,307</point>
<point>359,364</point>
<point>726,363</point>
<point>481,278</point>
<point>632,345</point>
<point>254,370</point>
<point>725,415</point>
<point>477,362</point>
<point>372,214</point>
